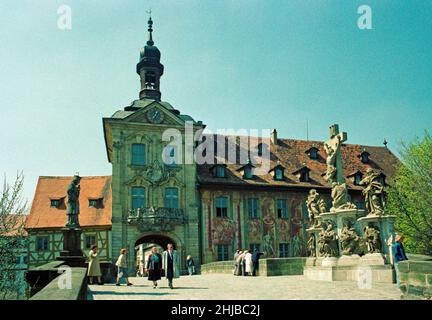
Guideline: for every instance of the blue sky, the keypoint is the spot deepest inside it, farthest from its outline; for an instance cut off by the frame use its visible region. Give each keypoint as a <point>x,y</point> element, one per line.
<point>233,64</point>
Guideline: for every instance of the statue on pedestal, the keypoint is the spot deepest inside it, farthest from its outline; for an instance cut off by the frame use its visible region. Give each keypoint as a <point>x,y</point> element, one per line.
<point>311,246</point>
<point>372,238</point>
<point>73,210</point>
<point>315,206</point>
<point>334,173</point>
<point>339,195</point>
<point>350,240</point>
<point>328,241</point>
<point>374,193</point>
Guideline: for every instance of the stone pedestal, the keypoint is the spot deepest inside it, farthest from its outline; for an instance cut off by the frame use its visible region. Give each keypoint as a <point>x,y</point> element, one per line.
<point>385,225</point>
<point>72,254</point>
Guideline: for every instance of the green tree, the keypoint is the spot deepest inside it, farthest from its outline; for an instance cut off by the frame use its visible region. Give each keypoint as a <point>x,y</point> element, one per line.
<point>410,197</point>
<point>12,207</point>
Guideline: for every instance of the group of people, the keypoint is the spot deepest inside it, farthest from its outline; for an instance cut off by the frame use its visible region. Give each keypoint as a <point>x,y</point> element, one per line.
<point>246,263</point>
<point>158,266</point>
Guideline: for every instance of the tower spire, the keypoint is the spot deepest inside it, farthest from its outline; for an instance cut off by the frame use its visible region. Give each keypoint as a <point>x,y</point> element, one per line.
<point>149,67</point>
<point>150,42</point>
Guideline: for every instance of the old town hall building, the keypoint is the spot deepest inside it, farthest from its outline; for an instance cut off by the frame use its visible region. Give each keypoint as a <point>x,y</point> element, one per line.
<point>205,210</point>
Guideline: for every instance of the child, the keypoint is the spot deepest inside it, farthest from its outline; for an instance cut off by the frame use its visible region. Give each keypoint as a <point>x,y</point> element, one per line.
<point>122,268</point>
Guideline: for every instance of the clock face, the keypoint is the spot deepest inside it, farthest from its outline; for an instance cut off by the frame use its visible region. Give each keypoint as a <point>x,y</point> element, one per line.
<point>155,116</point>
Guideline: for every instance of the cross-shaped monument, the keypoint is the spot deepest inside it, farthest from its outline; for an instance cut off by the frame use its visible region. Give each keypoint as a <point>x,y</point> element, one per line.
<point>334,158</point>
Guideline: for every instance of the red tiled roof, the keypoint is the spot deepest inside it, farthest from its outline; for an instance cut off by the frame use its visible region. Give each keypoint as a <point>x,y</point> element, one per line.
<point>291,154</point>
<point>42,215</point>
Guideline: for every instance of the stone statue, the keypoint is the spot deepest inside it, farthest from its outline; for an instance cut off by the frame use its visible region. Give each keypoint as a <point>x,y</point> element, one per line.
<point>372,238</point>
<point>311,246</point>
<point>73,210</point>
<point>350,240</point>
<point>328,241</point>
<point>374,193</point>
<point>322,205</point>
<point>268,246</point>
<point>332,152</point>
<point>339,195</point>
<point>315,206</point>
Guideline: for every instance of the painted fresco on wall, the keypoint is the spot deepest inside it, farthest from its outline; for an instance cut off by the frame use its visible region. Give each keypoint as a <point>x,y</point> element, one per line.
<point>269,224</point>
<point>254,230</point>
<point>283,230</point>
<point>223,231</point>
<point>297,239</point>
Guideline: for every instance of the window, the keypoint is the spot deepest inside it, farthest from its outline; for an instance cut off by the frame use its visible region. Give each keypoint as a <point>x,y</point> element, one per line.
<point>253,246</point>
<point>95,203</point>
<point>41,243</point>
<point>313,153</point>
<point>283,250</point>
<point>220,172</point>
<point>253,208</point>
<point>282,211</point>
<point>279,174</point>
<point>357,178</point>
<point>171,198</point>
<point>304,176</point>
<point>138,154</point>
<point>55,203</point>
<point>138,197</point>
<point>247,172</point>
<point>364,156</point>
<point>222,252</point>
<point>89,240</point>
<point>221,207</point>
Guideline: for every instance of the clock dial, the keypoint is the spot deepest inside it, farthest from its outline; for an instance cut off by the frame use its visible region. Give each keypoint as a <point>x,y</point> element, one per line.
<point>155,116</point>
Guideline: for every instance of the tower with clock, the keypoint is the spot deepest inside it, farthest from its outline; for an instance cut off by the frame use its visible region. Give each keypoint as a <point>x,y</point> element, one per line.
<point>154,201</point>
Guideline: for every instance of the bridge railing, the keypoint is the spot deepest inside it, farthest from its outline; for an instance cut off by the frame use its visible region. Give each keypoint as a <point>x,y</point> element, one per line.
<point>54,281</point>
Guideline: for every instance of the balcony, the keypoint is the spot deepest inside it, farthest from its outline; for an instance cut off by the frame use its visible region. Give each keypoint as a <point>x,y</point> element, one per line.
<point>156,219</point>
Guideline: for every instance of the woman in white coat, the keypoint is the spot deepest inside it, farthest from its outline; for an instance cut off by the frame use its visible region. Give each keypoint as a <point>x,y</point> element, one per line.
<point>248,263</point>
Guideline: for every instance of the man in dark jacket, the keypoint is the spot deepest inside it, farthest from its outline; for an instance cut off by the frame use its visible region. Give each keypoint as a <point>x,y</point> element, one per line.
<point>398,256</point>
<point>255,261</point>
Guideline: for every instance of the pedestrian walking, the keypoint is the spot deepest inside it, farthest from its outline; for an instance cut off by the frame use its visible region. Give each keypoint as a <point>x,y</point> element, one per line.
<point>154,266</point>
<point>170,264</point>
<point>122,271</point>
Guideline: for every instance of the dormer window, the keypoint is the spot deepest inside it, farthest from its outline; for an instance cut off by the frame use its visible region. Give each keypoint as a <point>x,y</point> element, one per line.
<point>364,156</point>
<point>55,203</point>
<point>278,173</point>
<point>382,179</point>
<point>247,170</point>
<point>303,174</point>
<point>220,172</point>
<point>357,178</point>
<point>95,203</point>
<point>313,153</point>
<point>247,173</point>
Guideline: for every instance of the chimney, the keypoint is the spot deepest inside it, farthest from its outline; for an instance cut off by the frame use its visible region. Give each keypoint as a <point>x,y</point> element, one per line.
<point>273,137</point>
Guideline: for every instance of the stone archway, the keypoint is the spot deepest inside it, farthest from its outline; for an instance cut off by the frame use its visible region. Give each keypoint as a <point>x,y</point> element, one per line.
<point>159,239</point>
<point>150,240</point>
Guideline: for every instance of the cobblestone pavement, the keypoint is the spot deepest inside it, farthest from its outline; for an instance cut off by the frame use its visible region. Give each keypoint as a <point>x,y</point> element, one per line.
<point>227,287</point>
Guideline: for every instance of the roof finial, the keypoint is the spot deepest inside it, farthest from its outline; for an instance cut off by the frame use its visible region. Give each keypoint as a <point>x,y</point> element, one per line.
<point>150,28</point>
